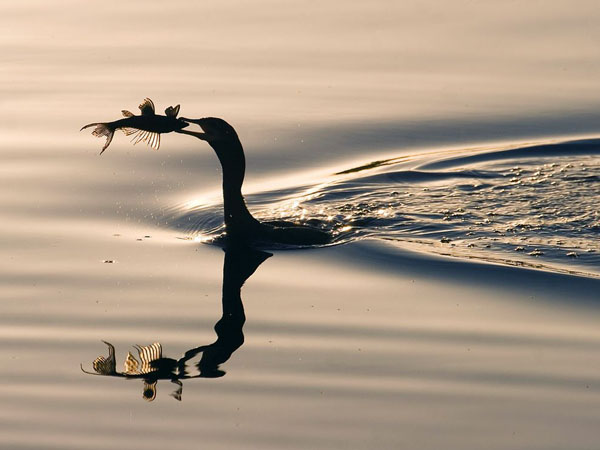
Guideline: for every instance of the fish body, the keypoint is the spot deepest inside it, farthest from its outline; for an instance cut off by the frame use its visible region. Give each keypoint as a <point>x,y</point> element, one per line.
<point>146,127</point>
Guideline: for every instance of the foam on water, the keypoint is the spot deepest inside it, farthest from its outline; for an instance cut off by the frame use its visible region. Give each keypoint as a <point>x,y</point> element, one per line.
<point>532,205</point>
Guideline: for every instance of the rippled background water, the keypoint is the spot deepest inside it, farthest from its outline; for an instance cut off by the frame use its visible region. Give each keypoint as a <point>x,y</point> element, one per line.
<point>465,130</point>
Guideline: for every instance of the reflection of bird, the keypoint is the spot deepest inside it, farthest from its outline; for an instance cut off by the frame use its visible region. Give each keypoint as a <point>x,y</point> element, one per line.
<point>240,263</point>
<point>240,224</point>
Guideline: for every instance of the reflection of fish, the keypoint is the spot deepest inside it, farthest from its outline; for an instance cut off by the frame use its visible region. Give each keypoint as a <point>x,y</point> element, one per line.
<point>146,127</point>
<point>149,354</point>
<point>106,366</point>
<point>150,357</point>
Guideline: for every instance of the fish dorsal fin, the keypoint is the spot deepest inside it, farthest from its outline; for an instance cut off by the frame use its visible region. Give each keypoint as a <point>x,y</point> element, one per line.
<point>127,113</point>
<point>147,107</point>
<point>172,111</point>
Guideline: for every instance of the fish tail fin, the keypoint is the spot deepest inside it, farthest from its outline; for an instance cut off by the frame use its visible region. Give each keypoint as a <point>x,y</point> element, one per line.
<point>102,129</point>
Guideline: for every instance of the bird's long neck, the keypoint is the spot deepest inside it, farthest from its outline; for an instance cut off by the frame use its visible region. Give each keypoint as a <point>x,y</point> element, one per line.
<point>233,162</point>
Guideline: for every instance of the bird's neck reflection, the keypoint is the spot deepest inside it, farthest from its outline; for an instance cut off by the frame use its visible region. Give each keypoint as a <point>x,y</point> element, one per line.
<point>239,264</point>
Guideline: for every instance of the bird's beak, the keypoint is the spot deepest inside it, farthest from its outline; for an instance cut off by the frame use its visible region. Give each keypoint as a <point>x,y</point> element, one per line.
<point>196,121</point>
<point>203,136</point>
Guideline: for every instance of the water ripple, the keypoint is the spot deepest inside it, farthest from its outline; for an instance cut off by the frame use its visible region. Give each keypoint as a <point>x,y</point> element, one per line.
<point>534,205</point>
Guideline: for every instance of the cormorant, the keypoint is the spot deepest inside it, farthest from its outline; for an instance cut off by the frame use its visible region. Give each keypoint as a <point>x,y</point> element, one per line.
<point>240,225</point>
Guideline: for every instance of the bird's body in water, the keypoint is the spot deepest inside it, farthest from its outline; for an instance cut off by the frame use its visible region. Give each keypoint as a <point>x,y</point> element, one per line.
<point>240,225</point>
<point>146,127</point>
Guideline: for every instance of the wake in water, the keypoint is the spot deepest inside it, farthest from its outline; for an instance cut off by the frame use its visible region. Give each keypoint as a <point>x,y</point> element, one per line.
<point>535,205</point>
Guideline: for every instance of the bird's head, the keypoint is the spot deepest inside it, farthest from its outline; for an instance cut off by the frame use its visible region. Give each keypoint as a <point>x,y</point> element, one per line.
<point>215,130</point>
<point>180,124</point>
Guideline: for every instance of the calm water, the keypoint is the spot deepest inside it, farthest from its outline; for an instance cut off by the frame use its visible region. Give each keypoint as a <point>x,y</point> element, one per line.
<point>453,152</point>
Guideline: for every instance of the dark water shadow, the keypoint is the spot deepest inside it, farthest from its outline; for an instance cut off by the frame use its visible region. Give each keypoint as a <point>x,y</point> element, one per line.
<point>570,148</point>
<point>150,366</point>
<point>540,283</point>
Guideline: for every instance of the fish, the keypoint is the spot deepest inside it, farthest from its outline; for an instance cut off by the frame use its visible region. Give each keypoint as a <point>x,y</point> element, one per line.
<point>147,127</point>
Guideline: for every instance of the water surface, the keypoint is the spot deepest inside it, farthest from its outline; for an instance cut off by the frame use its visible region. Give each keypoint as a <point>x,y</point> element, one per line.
<point>453,151</point>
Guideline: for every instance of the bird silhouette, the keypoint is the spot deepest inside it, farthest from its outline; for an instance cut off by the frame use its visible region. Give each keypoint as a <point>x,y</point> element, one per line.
<point>240,225</point>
